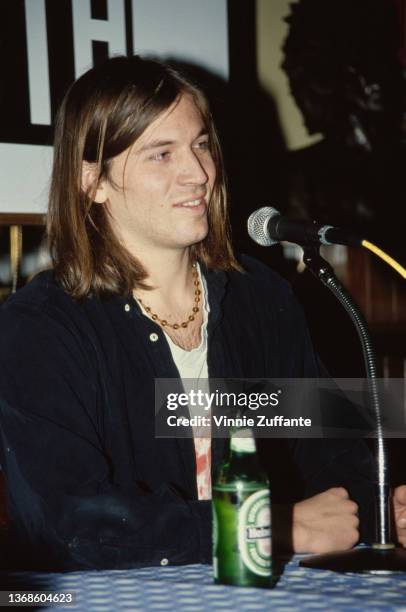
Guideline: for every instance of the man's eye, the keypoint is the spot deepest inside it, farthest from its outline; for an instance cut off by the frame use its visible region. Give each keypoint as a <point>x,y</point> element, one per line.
<point>161,156</point>
<point>203,145</point>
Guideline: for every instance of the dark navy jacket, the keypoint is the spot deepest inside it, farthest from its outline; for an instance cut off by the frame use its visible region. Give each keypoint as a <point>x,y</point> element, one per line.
<point>89,485</point>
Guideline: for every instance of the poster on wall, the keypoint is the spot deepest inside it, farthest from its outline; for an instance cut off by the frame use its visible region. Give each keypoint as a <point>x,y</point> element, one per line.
<point>48,44</point>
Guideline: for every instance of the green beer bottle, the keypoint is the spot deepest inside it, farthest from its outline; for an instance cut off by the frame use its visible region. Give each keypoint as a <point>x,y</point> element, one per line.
<point>242,517</point>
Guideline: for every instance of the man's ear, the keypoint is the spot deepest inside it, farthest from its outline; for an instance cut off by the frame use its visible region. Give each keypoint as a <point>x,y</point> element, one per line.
<point>97,192</point>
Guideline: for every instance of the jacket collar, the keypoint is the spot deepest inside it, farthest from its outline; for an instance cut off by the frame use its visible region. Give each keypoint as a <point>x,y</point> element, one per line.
<point>217,281</point>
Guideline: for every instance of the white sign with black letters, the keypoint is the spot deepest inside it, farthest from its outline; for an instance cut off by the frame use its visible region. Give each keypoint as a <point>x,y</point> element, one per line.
<point>52,43</point>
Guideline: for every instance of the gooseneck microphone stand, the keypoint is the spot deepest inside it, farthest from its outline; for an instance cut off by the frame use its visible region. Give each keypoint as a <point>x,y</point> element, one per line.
<point>382,556</point>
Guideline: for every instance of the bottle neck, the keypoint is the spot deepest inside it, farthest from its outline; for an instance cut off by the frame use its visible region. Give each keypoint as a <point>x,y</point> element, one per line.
<point>245,466</point>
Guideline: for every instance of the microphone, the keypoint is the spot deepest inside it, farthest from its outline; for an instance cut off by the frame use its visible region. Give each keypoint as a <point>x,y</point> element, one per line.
<point>266,226</point>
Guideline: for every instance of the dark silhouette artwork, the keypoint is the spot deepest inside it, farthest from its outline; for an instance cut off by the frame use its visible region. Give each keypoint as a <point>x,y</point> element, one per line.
<point>346,65</point>
<point>343,61</point>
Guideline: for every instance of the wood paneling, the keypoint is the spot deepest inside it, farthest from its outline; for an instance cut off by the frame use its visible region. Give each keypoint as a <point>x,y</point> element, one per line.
<point>21,219</point>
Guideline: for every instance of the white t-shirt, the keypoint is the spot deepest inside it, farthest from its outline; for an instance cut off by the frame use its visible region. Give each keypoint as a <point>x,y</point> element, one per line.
<point>192,368</point>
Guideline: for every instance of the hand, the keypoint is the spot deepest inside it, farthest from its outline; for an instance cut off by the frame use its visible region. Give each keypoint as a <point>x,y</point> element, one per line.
<point>399,511</point>
<point>326,522</point>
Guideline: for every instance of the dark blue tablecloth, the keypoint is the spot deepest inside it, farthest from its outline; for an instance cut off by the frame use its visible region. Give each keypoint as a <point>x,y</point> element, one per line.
<point>191,588</point>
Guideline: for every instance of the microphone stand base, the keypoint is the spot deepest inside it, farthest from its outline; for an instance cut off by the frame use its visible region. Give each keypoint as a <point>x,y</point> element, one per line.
<point>360,560</point>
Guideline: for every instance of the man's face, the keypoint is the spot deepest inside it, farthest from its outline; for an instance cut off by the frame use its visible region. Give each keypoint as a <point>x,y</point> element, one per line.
<point>158,189</point>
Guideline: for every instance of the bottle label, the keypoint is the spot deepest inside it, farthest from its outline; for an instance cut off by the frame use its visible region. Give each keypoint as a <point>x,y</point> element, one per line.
<point>254,533</point>
<point>243,441</point>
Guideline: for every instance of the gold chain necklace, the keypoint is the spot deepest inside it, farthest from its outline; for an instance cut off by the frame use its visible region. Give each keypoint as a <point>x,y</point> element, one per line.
<point>195,309</point>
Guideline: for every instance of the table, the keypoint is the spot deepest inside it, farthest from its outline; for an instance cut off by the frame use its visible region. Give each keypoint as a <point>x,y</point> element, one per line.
<point>190,588</point>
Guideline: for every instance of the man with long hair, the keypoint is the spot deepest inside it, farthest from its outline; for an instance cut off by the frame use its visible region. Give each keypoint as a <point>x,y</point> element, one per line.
<point>144,285</point>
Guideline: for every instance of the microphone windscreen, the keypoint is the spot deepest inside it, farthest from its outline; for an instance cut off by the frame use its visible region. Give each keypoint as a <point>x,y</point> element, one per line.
<point>258,225</point>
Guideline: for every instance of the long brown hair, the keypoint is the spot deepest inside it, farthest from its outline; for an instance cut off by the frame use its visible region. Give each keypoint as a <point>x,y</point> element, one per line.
<point>102,114</point>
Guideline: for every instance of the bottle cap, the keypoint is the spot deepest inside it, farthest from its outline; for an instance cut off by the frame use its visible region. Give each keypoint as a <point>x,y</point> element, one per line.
<point>243,441</point>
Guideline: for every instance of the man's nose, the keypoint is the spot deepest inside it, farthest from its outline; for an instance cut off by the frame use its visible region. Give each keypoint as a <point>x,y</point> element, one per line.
<point>192,170</point>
